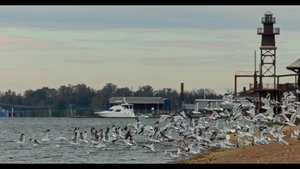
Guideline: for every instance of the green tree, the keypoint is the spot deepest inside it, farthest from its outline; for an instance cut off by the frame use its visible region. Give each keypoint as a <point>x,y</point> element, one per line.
<point>83,95</point>
<point>105,93</point>
<point>124,92</point>
<point>64,97</point>
<point>145,91</point>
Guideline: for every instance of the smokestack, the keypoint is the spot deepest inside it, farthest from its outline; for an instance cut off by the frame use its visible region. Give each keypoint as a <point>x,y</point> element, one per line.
<point>182,96</point>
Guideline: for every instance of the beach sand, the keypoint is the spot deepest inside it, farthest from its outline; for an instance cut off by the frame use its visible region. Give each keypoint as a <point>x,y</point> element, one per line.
<point>253,154</point>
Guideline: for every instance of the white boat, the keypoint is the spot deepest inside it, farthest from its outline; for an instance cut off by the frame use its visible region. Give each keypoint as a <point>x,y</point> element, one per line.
<point>122,110</point>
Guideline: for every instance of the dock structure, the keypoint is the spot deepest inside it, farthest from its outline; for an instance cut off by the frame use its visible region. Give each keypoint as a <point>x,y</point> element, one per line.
<point>265,80</point>
<point>13,110</point>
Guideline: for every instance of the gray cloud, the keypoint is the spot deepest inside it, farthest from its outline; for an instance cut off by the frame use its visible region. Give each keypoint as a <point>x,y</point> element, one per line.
<point>103,17</point>
<point>85,61</point>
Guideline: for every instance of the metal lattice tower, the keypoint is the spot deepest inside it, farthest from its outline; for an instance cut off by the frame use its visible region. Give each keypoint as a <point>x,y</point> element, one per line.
<point>267,67</point>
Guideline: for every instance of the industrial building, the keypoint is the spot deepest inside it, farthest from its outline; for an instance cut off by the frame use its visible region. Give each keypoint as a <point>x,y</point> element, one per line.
<point>144,105</point>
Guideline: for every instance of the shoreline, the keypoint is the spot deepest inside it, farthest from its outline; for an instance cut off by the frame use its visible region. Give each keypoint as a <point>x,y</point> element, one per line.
<point>253,154</point>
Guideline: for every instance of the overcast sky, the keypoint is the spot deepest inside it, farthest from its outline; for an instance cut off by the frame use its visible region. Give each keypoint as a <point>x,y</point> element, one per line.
<point>132,46</point>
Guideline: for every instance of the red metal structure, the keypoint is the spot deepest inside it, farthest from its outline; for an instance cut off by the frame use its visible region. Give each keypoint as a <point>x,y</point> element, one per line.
<point>267,65</point>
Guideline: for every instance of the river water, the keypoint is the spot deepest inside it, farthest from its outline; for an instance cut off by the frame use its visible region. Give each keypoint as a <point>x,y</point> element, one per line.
<point>58,150</point>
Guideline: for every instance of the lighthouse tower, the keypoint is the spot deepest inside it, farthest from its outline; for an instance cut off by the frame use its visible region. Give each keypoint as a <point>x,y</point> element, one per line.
<point>268,81</point>
<point>267,67</point>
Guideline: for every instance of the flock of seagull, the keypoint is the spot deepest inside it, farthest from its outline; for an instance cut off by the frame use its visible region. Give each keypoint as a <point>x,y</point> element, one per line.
<point>180,136</point>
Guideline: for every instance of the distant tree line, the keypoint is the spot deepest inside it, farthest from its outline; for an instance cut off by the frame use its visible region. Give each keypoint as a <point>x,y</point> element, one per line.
<point>84,96</point>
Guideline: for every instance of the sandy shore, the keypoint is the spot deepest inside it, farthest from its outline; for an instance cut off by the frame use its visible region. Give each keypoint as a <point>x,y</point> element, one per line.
<point>271,153</point>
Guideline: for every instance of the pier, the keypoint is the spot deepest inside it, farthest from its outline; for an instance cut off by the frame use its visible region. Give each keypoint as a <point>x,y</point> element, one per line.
<point>13,110</point>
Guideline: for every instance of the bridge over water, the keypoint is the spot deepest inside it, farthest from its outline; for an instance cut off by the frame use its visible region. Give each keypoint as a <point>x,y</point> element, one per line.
<point>12,110</point>
<point>71,110</point>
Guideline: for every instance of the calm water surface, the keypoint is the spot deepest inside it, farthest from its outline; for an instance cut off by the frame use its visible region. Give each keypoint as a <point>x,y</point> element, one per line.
<point>63,151</point>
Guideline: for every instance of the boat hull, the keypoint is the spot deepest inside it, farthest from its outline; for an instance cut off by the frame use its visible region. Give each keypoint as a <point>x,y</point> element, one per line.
<point>114,114</point>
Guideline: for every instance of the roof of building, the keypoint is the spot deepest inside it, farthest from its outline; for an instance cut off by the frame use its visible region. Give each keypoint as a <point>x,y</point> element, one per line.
<point>138,100</point>
<point>294,65</point>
